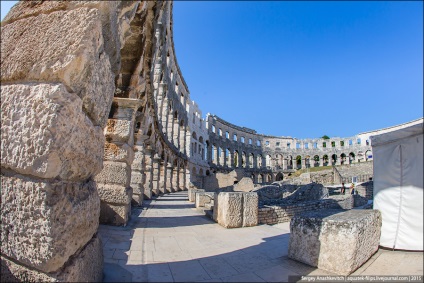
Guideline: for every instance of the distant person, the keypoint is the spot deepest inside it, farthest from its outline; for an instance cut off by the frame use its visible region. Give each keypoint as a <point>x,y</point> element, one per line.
<point>342,191</point>
<point>352,188</point>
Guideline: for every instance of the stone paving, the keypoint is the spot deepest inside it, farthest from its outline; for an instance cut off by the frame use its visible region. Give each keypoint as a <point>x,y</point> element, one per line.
<point>168,240</point>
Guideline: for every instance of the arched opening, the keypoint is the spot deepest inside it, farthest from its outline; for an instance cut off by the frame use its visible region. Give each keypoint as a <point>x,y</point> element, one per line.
<point>342,158</point>
<point>279,176</point>
<point>325,160</point>
<point>260,178</point>
<point>351,157</point>
<point>316,161</point>
<point>268,161</point>
<point>243,159</point>
<point>236,158</point>
<point>368,155</point>
<point>333,159</point>
<point>307,161</point>
<point>298,162</point>
<point>251,158</point>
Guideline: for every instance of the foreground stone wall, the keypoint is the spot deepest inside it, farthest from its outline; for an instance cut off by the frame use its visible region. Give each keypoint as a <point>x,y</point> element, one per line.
<point>58,64</point>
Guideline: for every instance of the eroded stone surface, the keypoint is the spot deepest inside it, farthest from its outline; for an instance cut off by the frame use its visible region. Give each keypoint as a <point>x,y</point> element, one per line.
<point>353,234</point>
<point>250,209</point>
<point>118,173</point>
<point>64,46</point>
<point>114,193</point>
<point>85,266</point>
<point>46,134</point>
<point>244,185</point>
<point>44,223</point>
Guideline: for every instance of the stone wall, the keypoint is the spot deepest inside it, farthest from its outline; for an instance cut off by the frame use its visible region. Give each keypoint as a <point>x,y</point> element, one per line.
<point>58,64</point>
<point>273,214</point>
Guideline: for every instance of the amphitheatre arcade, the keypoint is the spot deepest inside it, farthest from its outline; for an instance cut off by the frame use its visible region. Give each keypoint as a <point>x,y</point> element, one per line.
<point>97,117</point>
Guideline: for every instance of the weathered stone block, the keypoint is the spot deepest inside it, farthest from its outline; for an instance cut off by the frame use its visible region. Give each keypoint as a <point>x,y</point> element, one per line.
<point>121,153</point>
<point>244,185</point>
<point>250,209</point>
<point>203,198</point>
<point>85,266</point>
<point>118,173</point>
<point>62,46</point>
<point>192,194</point>
<point>229,209</point>
<point>44,223</point>
<point>119,130</point>
<point>335,240</point>
<point>46,134</point>
<point>115,194</point>
<point>114,214</point>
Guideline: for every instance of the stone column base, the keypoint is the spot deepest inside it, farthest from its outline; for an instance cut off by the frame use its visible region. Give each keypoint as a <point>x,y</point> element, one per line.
<point>85,266</point>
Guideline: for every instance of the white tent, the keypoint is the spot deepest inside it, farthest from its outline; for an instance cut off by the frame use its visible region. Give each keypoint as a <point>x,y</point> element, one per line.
<point>398,186</point>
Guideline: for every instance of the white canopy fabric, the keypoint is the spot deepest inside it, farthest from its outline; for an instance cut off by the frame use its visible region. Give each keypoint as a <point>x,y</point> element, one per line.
<point>398,186</point>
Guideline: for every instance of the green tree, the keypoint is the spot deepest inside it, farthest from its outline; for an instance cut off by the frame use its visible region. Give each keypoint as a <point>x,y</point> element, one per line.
<point>325,137</point>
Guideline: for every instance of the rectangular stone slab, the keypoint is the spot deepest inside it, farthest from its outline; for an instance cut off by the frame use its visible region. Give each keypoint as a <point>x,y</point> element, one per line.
<point>337,241</point>
<point>46,134</point>
<point>44,223</point>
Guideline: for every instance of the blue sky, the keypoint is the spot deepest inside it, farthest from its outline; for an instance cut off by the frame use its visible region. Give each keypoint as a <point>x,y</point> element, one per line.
<point>303,69</point>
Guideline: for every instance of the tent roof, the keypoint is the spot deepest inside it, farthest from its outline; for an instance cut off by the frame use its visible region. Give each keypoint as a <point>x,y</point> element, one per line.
<point>395,135</point>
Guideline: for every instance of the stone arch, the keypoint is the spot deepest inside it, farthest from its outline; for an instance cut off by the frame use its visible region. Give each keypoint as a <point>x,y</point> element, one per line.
<point>368,155</point>
<point>334,159</point>
<point>260,178</point>
<point>316,160</point>
<point>342,158</point>
<point>236,159</point>
<point>298,162</point>
<point>351,157</point>
<point>251,160</point>
<point>279,176</point>
<point>325,159</point>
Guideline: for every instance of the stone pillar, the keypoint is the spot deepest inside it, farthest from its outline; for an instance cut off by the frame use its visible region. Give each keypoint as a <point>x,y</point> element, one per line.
<point>186,176</point>
<point>148,171</point>
<point>113,182</point>
<point>303,163</point>
<point>137,175</point>
<point>169,177</point>
<point>182,139</point>
<point>179,188</point>
<point>155,175</point>
<point>284,164</point>
<point>177,133</point>
<point>321,162</point>
<point>165,115</point>
<point>174,179</point>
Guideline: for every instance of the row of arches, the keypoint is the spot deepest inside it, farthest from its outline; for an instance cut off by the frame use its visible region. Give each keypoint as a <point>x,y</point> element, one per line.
<point>242,159</point>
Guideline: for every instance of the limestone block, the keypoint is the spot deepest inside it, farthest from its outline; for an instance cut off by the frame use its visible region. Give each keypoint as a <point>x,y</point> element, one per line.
<point>12,272</point>
<point>192,194</point>
<point>121,153</point>
<point>119,130</point>
<point>337,241</point>
<point>115,194</point>
<point>244,185</point>
<point>118,173</point>
<point>115,214</point>
<point>137,199</point>
<point>230,209</point>
<point>137,179</point>
<point>85,266</point>
<point>137,163</point>
<point>250,209</point>
<point>46,134</point>
<point>44,223</point>
<point>203,198</point>
<point>62,46</point>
